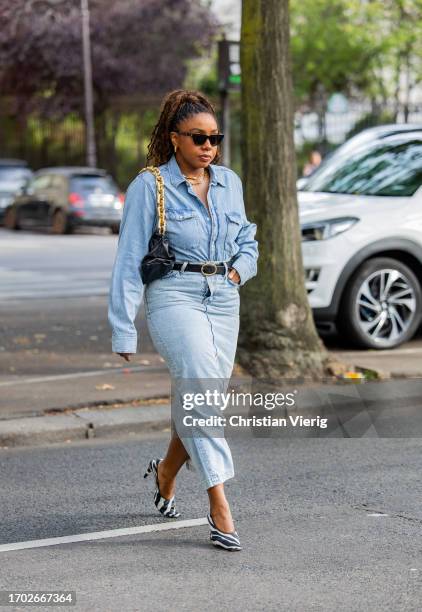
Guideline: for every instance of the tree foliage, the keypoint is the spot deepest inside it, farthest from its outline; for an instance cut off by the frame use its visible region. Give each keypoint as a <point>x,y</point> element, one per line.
<point>357,47</point>
<point>333,44</point>
<point>402,33</point>
<point>138,47</point>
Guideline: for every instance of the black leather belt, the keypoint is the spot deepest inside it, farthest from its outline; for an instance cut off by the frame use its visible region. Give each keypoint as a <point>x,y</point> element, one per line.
<point>207,268</point>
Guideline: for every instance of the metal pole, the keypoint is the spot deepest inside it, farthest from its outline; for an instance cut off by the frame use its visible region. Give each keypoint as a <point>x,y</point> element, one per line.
<point>225,116</point>
<point>91,153</point>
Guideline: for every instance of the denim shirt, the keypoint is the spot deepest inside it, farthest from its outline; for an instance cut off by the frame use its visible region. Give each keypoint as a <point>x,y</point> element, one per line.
<point>222,234</point>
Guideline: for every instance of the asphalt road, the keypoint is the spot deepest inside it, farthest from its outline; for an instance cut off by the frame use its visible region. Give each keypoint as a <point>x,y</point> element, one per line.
<point>55,340</point>
<point>36,264</point>
<point>53,324</point>
<point>326,525</point>
<point>53,296</point>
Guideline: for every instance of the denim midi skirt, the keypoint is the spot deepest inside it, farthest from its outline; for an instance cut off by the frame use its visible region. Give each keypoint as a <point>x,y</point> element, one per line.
<point>193,321</point>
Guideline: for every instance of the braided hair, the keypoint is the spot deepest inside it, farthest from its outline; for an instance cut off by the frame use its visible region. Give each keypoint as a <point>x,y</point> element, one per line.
<point>177,106</point>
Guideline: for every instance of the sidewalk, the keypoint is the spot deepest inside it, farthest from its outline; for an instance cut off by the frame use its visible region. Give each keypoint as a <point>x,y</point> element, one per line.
<point>45,409</point>
<point>390,408</point>
<point>136,398</point>
<point>82,424</point>
<point>55,387</point>
<point>403,361</point>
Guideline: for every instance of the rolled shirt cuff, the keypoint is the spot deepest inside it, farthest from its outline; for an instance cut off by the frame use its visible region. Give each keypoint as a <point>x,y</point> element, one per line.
<point>243,268</point>
<point>124,344</point>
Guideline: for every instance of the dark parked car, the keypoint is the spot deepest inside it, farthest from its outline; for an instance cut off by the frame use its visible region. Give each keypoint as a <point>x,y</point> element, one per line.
<point>64,198</point>
<point>14,174</point>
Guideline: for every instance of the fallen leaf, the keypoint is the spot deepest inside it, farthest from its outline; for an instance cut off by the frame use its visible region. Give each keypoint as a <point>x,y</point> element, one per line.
<point>353,375</point>
<point>21,340</point>
<point>104,387</point>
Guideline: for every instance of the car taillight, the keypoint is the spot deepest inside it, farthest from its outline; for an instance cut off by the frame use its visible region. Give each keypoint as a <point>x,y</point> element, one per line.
<point>75,199</point>
<point>121,197</point>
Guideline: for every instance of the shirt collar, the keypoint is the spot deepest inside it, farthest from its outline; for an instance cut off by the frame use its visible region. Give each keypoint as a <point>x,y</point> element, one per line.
<point>176,175</point>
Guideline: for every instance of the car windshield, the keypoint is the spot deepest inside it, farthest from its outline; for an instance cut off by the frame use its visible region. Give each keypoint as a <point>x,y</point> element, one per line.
<point>85,184</point>
<point>379,168</point>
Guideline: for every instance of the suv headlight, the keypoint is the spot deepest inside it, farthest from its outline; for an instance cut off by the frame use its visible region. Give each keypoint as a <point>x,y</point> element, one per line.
<point>322,230</point>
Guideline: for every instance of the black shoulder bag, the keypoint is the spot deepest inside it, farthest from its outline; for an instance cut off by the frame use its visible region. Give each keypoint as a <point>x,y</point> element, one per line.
<point>159,260</point>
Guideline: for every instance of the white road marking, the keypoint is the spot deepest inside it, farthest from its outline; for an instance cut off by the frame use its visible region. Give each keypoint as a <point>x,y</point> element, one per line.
<point>42,379</point>
<point>99,535</point>
<point>17,296</point>
<point>17,283</point>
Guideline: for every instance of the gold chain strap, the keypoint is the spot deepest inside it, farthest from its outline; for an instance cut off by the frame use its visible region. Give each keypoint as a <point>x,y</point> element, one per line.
<point>159,183</point>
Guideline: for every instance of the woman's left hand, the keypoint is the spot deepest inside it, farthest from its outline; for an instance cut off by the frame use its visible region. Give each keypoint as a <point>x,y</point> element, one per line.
<point>234,275</point>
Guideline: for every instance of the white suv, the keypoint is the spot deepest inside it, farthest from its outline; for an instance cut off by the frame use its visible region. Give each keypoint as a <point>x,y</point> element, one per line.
<point>361,218</point>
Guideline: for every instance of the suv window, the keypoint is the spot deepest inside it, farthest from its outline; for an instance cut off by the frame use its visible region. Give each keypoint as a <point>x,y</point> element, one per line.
<point>380,168</point>
<point>41,182</point>
<point>85,184</point>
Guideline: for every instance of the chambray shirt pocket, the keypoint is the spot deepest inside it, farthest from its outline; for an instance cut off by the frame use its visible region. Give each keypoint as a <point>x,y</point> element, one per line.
<point>232,224</point>
<point>182,228</point>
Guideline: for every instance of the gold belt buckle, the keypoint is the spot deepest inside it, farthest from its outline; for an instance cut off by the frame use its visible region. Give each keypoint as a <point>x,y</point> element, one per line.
<point>207,264</point>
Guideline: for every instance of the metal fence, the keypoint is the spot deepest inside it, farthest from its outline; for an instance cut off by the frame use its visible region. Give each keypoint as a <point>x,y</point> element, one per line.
<point>123,133</point>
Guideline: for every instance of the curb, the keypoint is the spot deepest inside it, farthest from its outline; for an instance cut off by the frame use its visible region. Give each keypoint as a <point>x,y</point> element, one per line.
<point>358,405</point>
<point>82,424</point>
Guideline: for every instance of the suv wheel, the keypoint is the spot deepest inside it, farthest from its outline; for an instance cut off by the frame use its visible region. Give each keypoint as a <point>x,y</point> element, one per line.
<point>381,306</point>
<point>60,223</point>
<point>11,219</point>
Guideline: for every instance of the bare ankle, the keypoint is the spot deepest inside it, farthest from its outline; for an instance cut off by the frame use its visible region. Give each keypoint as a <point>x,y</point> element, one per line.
<point>221,509</point>
<point>164,473</point>
<point>223,519</point>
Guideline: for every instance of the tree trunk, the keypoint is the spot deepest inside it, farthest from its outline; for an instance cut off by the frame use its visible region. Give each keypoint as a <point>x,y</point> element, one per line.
<point>398,69</point>
<point>278,336</point>
<point>112,157</point>
<point>408,86</point>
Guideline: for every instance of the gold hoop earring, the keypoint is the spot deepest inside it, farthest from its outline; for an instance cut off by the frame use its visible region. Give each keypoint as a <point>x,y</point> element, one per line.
<point>175,148</point>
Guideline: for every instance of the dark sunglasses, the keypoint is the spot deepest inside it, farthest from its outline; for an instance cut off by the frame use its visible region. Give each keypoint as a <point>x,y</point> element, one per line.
<point>200,139</point>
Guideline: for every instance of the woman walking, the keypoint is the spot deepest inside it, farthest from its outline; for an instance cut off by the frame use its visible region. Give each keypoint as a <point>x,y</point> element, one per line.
<point>192,312</point>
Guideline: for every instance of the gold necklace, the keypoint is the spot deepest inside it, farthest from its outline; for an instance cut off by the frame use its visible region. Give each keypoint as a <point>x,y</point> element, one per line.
<point>194,180</point>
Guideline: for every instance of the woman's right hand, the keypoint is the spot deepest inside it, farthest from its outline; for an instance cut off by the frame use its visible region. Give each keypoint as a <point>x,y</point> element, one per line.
<point>125,356</point>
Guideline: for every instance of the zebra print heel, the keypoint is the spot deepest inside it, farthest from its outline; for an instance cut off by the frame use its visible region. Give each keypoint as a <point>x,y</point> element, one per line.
<point>164,505</point>
<point>228,541</point>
